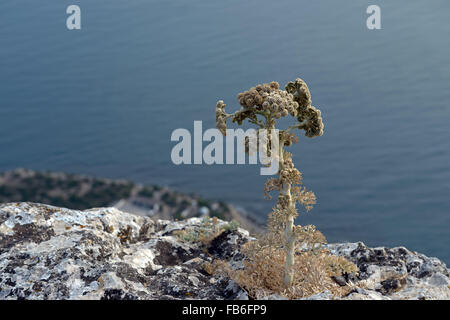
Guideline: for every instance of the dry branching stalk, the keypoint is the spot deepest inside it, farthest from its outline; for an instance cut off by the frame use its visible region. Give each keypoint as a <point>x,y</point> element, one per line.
<point>308,268</point>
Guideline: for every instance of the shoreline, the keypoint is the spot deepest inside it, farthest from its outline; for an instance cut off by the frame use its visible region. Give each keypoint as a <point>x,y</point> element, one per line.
<point>81,192</point>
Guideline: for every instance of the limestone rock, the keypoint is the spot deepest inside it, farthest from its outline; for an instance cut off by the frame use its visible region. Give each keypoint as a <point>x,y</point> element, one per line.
<point>395,273</point>
<point>54,253</point>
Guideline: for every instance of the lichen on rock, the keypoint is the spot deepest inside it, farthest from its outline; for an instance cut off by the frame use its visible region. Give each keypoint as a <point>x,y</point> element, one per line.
<point>54,253</point>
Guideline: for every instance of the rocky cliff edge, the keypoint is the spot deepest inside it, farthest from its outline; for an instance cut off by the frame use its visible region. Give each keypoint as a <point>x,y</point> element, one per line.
<point>54,253</point>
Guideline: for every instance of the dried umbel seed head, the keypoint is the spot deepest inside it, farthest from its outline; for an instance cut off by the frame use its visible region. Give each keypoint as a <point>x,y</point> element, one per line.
<point>253,97</point>
<point>280,103</point>
<point>300,91</point>
<point>221,117</point>
<point>274,85</point>
<point>311,121</point>
<point>220,108</point>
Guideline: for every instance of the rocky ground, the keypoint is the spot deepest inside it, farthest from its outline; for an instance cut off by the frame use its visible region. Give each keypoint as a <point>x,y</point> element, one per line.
<point>53,253</point>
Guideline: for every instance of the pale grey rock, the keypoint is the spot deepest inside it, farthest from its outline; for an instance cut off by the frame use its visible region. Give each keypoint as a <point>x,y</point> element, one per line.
<point>242,295</point>
<point>236,291</point>
<point>325,295</point>
<point>438,280</point>
<point>55,253</point>
<point>274,297</point>
<point>395,273</point>
<point>364,294</point>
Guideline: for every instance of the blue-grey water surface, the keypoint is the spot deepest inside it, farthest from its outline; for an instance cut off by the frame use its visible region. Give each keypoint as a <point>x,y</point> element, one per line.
<point>104,100</point>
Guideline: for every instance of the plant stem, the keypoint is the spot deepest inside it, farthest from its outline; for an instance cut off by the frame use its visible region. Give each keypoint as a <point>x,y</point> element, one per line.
<point>290,248</point>
<point>290,240</point>
<point>289,229</point>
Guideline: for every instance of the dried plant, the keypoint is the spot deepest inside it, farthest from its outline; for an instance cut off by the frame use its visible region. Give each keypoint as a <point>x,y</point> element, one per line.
<point>299,248</point>
<point>208,229</point>
<point>261,276</point>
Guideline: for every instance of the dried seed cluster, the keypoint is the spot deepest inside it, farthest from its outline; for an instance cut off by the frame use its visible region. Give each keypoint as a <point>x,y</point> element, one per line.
<point>288,173</point>
<point>310,118</point>
<point>311,121</point>
<point>300,91</point>
<point>221,117</point>
<point>280,103</point>
<point>269,101</point>
<point>254,96</point>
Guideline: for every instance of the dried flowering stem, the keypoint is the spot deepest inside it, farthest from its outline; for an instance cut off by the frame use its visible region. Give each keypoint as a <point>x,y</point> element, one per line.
<point>263,105</point>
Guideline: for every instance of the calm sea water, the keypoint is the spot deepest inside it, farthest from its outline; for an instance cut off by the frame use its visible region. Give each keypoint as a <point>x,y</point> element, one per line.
<point>104,101</point>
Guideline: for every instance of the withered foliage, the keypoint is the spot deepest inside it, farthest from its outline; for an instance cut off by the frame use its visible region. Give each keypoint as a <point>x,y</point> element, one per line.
<point>314,266</point>
<point>263,273</point>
